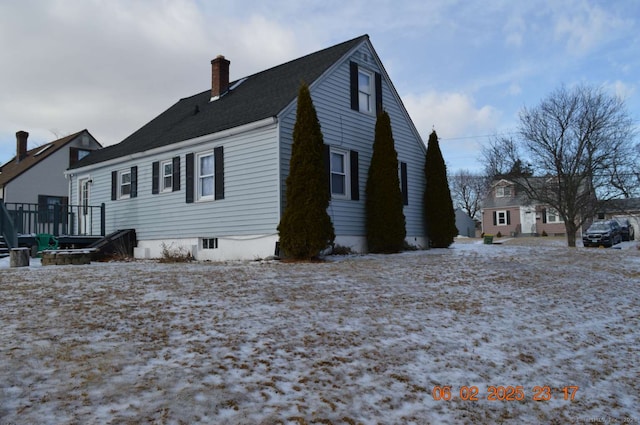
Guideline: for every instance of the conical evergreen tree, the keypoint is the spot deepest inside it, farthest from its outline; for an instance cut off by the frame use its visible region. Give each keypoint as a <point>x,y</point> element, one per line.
<point>305,227</point>
<point>385,220</point>
<point>438,206</point>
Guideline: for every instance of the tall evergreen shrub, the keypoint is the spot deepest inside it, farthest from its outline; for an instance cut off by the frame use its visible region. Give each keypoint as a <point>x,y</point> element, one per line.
<point>385,219</point>
<point>438,206</point>
<point>305,227</point>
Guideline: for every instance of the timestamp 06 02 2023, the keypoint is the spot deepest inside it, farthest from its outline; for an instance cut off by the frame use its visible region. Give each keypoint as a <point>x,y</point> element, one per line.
<point>504,393</point>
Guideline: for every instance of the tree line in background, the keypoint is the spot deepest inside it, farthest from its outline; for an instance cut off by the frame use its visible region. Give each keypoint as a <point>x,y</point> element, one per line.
<point>574,152</point>
<point>306,229</point>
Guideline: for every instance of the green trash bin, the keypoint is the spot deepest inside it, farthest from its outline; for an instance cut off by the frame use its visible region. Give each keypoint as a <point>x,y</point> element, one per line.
<point>488,239</point>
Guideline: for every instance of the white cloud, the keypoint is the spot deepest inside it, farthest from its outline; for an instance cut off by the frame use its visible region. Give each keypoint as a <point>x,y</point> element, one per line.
<point>587,26</point>
<point>451,114</point>
<point>620,89</point>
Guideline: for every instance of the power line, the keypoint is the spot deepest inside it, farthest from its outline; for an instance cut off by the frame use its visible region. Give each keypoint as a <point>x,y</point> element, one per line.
<point>475,137</point>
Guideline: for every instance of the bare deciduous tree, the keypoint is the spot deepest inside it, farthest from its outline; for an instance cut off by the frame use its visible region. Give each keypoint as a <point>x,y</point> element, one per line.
<point>581,148</point>
<point>467,190</point>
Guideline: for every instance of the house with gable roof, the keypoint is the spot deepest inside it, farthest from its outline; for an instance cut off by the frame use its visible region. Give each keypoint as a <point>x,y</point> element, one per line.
<point>208,174</point>
<point>33,187</point>
<point>510,212</point>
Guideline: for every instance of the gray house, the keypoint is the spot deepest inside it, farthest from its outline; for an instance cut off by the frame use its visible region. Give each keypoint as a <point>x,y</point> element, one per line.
<point>37,175</point>
<point>208,174</point>
<point>465,224</point>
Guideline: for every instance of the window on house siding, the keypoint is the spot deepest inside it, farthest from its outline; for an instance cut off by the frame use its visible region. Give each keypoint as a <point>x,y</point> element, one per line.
<point>167,176</point>
<point>365,91</point>
<point>124,183</point>
<point>339,174</point>
<point>501,218</point>
<point>553,216</point>
<point>504,192</point>
<point>206,176</point>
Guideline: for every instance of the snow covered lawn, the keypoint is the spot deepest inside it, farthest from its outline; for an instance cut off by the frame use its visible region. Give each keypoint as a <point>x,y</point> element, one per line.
<point>357,339</point>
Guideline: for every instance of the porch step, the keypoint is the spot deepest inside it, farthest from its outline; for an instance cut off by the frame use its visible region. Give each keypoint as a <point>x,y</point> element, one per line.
<point>4,249</point>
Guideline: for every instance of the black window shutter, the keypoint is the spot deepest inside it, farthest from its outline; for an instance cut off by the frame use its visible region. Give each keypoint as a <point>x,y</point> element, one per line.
<point>218,157</point>
<point>404,183</point>
<point>355,175</point>
<point>189,178</point>
<point>327,164</point>
<point>176,174</point>
<point>114,185</point>
<point>508,217</point>
<point>495,218</point>
<point>155,178</point>
<point>378,94</point>
<point>544,215</point>
<point>134,181</point>
<point>353,68</point>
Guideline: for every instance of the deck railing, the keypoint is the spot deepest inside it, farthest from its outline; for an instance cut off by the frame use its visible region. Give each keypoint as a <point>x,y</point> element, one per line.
<point>7,229</point>
<point>72,220</point>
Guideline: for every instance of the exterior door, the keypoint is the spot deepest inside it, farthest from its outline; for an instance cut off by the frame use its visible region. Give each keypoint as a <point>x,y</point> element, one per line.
<point>528,220</point>
<point>84,212</point>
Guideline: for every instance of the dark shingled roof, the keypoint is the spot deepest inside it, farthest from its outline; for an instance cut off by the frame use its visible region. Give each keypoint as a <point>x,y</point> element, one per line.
<point>260,96</point>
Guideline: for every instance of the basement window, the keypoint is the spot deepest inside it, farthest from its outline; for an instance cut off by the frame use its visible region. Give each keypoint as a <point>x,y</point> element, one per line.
<point>209,243</point>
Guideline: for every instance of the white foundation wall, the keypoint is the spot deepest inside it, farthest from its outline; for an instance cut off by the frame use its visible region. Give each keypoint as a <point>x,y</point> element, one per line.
<point>358,244</point>
<point>252,247</point>
<point>231,248</point>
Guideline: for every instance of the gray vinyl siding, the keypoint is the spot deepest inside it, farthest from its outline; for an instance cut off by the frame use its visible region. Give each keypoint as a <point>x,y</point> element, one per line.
<point>249,207</point>
<point>347,129</point>
<point>47,176</point>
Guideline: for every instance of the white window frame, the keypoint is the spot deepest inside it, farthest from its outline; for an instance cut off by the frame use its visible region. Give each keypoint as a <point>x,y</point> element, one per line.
<point>209,243</point>
<point>504,192</point>
<point>345,173</point>
<point>123,184</point>
<point>552,212</point>
<point>201,177</point>
<point>163,176</point>
<point>366,93</point>
<point>501,218</point>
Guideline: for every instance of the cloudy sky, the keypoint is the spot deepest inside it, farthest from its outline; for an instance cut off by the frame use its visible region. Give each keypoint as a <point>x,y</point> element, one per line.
<point>465,67</point>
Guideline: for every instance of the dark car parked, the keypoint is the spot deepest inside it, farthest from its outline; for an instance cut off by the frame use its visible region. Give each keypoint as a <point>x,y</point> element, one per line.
<point>626,229</point>
<point>602,233</point>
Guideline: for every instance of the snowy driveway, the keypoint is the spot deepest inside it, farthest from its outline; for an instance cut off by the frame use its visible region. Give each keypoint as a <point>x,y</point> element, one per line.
<point>550,333</point>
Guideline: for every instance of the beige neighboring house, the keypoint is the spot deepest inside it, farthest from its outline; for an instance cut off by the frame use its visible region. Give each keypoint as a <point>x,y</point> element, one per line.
<point>511,213</point>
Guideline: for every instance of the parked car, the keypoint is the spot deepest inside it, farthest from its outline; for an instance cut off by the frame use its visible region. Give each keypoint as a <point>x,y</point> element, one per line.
<point>602,233</point>
<point>626,229</point>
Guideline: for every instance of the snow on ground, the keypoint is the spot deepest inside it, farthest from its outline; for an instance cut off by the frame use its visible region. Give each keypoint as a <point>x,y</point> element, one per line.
<point>356,339</point>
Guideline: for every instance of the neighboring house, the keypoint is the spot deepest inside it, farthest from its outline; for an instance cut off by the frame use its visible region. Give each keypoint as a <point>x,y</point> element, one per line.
<point>208,174</point>
<point>511,213</point>
<point>465,224</point>
<point>36,176</point>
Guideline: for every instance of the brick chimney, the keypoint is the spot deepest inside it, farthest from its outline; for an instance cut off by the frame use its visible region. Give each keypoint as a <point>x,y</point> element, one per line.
<point>219,76</point>
<point>21,145</point>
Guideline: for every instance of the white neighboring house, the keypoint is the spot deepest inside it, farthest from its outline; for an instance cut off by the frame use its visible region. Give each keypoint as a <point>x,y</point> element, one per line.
<point>208,174</point>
